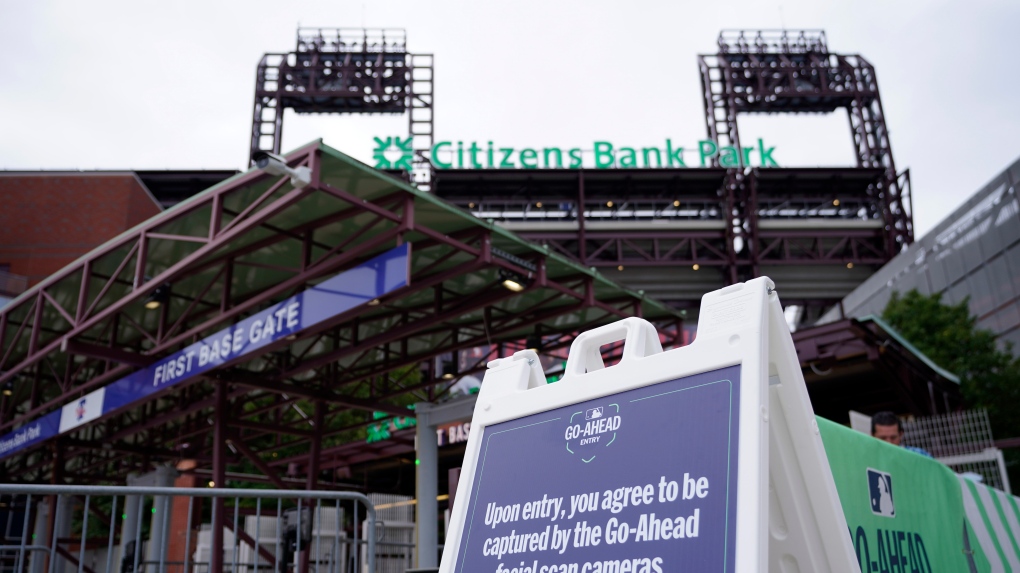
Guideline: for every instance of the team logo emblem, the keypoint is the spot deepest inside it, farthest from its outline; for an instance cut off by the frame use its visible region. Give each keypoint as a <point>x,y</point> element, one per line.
<point>393,153</point>
<point>80,410</point>
<point>593,413</point>
<point>881,493</point>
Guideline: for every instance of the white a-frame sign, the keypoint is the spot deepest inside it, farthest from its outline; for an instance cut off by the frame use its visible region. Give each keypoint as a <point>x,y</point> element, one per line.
<point>705,458</point>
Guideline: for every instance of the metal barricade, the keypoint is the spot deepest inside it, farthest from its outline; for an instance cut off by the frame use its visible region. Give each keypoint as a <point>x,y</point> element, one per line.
<point>109,529</point>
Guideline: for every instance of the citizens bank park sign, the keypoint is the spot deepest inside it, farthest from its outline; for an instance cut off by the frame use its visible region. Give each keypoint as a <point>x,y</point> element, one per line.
<point>397,153</point>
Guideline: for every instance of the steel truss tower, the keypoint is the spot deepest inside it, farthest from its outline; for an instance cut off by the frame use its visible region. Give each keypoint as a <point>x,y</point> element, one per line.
<point>348,70</point>
<point>788,71</point>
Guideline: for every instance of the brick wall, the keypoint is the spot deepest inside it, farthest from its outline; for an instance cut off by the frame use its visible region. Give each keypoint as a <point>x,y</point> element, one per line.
<point>47,220</point>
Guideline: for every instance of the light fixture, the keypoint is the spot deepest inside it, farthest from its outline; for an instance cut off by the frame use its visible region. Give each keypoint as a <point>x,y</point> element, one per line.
<point>835,202</point>
<point>619,268</point>
<point>676,203</point>
<point>159,297</point>
<point>695,266</point>
<point>609,203</point>
<point>511,280</point>
<point>539,204</point>
<point>448,376</point>
<point>8,389</point>
<point>292,337</point>
<point>849,265</point>
<point>373,302</point>
<point>212,483</point>
<point>471,205</point>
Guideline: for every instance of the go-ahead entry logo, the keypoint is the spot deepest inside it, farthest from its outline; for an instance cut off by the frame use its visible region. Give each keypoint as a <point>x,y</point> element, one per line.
<point>393,153</point>
<point>596,431</point>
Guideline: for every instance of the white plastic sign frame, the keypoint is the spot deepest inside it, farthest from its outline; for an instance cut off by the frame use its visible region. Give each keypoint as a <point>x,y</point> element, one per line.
<point>788,516</point>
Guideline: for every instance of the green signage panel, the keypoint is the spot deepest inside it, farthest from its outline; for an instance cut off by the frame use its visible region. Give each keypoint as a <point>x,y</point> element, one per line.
<point>397,153</point>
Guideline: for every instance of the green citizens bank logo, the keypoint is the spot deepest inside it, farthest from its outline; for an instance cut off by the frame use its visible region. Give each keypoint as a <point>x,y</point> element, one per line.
<point>393,153</point>
<point>602,155</point>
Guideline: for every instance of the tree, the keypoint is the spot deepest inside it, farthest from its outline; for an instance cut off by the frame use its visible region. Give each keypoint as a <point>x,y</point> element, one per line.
<point>989,376</point>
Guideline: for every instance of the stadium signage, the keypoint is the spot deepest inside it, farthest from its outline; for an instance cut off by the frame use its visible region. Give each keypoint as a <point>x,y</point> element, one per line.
<point>396,153</point>
<point>370,280</point>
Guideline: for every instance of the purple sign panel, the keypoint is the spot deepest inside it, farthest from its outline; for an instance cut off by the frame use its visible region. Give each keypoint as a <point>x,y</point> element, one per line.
<point>643,481</point>
<point>372,279</point>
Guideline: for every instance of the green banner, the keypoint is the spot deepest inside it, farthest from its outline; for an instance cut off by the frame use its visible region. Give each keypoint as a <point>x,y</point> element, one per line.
<point>911,514</point>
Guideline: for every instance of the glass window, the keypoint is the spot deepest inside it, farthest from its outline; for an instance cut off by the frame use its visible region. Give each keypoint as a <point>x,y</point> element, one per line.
<point>1007,221</point>
<point>1013,262</point>
<point>1009,318</point>
<point>990,322</point>
<point>936,275</point>
<point>998,277</point>
<point>956,293</point>
<point>906,282</point>
<point>953,264</point>
<point>981,302</point>
<point>922,280</point>
<point>1012,336</point>
<point>971,255</point>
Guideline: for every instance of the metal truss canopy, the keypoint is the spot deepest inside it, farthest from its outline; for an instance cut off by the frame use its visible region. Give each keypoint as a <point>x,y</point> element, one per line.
<point>242,246</point>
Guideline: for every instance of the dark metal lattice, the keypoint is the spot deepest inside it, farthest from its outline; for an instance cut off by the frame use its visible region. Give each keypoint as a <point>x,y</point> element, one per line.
<point>346,70</point>
<point>787,71</point>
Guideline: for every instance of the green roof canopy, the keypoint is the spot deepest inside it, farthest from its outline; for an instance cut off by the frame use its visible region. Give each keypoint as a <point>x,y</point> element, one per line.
<point>246,244</point>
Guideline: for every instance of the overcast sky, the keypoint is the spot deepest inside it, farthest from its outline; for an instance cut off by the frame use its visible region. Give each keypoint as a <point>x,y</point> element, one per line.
<point>169,85</point>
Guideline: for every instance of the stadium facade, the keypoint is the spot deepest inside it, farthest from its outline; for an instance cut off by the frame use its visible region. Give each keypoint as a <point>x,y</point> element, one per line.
<point>972,255</point>
<point>182,337</point>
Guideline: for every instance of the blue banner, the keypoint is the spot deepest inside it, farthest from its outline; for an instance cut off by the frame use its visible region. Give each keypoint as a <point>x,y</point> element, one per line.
<point>349,289</point>
<point>31,433</point>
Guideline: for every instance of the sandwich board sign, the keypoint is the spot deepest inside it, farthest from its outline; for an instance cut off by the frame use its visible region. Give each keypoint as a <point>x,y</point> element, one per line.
<point>703,458</point>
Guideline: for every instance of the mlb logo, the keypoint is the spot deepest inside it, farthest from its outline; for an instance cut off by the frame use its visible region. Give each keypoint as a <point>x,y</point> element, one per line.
<point>881,493</point>
<point>593,413</point>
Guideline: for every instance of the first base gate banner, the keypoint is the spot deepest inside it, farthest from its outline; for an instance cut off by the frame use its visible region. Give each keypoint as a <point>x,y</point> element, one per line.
<point>588,488</point>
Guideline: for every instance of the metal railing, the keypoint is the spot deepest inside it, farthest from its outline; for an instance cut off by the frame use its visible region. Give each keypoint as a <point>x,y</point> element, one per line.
<point>963,441</point>
<point>100,529</point>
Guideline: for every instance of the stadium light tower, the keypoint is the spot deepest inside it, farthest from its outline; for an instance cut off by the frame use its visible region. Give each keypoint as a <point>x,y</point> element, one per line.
<point>347,70</point>
<point>793,71</point>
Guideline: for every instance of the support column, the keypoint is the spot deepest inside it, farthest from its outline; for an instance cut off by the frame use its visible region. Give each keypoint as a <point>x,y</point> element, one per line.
<point>156,548</point>
<point>182,539</point>
<point>311,482</point>
<point>129,538</point>
<point>62,529</point>
<point>427,487</point>
<point>37,559</point>
<point>219,475</point>
<point>429,417</point>
<point>582,248</point>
